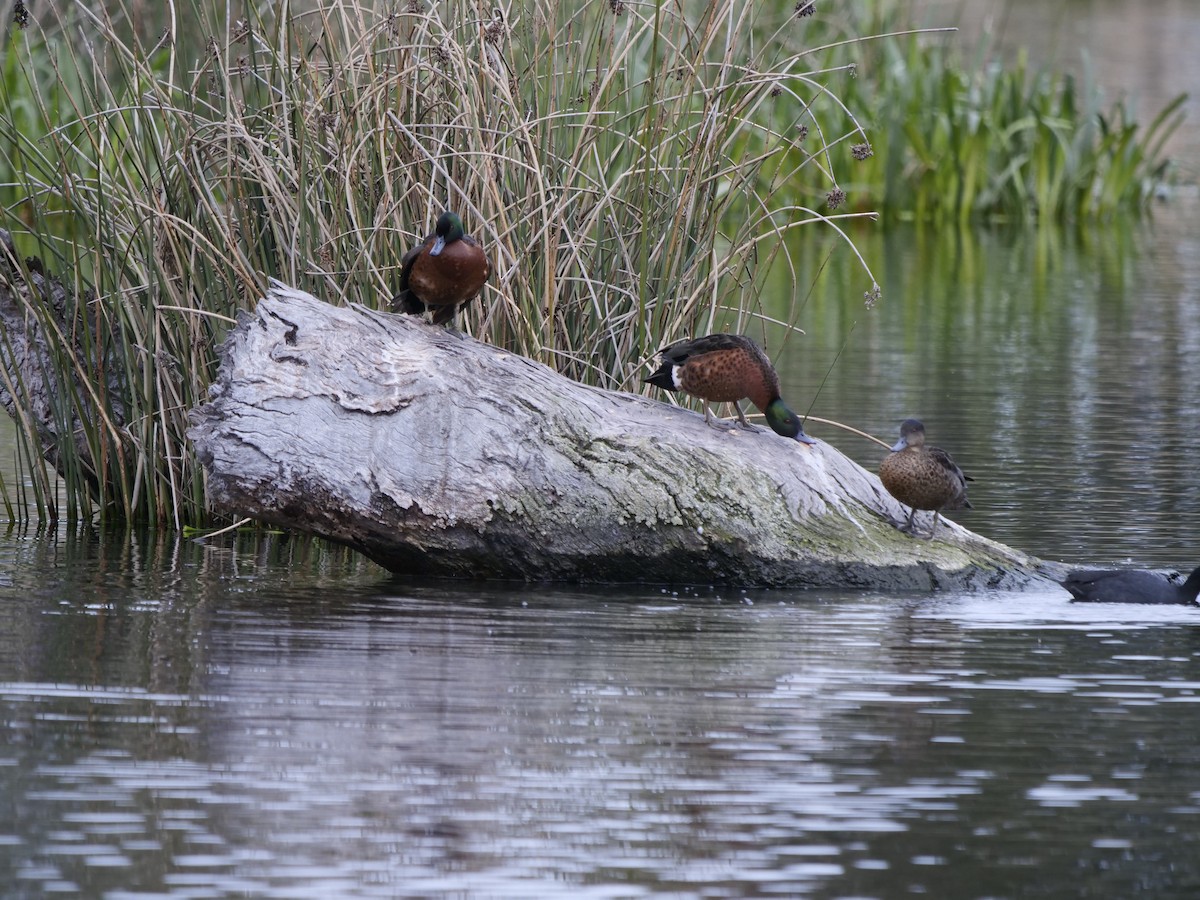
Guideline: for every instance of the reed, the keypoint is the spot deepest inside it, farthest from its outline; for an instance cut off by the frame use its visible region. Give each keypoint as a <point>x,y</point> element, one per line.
<point>635,169</point>
<point>959,138</point>
<point>632,169</point>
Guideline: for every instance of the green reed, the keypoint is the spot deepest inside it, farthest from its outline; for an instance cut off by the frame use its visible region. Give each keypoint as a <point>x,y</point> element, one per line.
<point>631,168</point>
<point>957,140</point>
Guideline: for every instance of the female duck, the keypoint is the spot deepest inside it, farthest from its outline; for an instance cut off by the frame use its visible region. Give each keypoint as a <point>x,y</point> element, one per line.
<point>443,272</point>
<point>922,477</point>
<point>724,368</point>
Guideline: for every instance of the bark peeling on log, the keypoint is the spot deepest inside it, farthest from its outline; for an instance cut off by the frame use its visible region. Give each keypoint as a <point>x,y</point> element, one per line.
<point>435,454</point>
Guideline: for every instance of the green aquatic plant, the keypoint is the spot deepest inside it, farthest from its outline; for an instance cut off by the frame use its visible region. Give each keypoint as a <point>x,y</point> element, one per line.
<point>963,141</point>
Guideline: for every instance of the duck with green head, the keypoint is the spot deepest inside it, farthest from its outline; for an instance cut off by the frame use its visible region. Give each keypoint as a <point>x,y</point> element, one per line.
<point>725,368</point>
<point>445,271</point>
<point>923,477</point>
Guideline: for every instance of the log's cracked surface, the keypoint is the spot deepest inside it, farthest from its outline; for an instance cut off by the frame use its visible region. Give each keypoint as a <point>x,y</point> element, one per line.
<point>436,454</point>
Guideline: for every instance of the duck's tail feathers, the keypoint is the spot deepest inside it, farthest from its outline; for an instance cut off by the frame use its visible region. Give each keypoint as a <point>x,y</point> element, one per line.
<point>663,378</point>
<point>406,302</point>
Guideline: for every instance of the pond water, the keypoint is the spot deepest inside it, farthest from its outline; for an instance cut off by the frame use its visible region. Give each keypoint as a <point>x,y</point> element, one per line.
<point>267,719</point>
<point>270,717</point>
<point>1059,369</point>
<point>274,718</point>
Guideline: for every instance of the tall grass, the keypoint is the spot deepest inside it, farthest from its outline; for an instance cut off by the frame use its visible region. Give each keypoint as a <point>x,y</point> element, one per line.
<point>632,169</point>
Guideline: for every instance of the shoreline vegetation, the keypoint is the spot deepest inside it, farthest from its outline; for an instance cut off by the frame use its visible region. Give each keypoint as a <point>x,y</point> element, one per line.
<point>635,170</point>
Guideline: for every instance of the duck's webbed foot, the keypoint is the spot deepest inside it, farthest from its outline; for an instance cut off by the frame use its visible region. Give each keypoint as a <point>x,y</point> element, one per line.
<point>909,526</point>
<point>741,419</point>
<point>713,422</point>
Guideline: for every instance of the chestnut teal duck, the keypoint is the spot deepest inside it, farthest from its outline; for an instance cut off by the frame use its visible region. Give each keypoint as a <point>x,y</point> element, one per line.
<point>726,368</point>
<point>922,477</point>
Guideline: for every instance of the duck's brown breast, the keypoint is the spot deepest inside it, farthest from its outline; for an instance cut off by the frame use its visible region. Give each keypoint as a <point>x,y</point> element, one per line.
<point>453,276</point>
<point>917,479</point>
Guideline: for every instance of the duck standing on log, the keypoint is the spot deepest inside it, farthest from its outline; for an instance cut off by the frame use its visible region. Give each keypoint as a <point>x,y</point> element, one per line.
<point>725,368</point>
<point>442,273</point>
<point>923,477</point>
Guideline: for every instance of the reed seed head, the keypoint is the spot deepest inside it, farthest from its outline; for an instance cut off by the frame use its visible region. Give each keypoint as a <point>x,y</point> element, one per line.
<point>496,30</point>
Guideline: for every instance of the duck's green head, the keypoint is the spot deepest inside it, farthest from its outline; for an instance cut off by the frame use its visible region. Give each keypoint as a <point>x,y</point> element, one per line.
<point>449,229</point>
<point>783,421</point>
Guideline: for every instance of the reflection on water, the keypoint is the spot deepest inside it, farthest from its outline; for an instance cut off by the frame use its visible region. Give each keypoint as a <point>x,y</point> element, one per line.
<point>258,733</point>
<point>1059,369</point>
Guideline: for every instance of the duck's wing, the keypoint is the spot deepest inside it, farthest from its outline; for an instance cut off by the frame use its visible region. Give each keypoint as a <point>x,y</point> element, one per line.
<point>680,351</point>
<point>1121,586</point>
<point>471,242</point>
<point>404,300</point>
<point>1086,584</point>
<point>1089,576</point>
<point>947,462</point>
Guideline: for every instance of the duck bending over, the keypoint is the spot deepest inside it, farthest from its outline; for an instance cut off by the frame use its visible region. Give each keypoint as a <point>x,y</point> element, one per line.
<point>725,368</point>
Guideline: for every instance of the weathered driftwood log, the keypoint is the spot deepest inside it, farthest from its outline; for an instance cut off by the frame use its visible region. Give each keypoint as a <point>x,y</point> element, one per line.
<point>436,454</point>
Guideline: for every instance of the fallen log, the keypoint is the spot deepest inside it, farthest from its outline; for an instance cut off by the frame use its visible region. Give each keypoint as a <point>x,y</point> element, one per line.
<point>437,455</point>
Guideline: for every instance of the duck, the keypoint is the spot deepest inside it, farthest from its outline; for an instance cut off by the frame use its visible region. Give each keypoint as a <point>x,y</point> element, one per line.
<point>1129,586</point>
<point>727,368</point>
<point>923,477</point>
<point>442,273</point>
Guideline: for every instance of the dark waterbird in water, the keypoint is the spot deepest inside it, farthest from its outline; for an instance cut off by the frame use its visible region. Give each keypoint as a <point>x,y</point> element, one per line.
<point>1130,586</point>
<point>443,272</point>
<point>724,368</point>
<point>923,477</point>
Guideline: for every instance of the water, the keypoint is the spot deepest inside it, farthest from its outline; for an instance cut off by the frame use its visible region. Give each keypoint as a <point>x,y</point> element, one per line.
<point>220,722</point>
<point>273,718</point>
<point>1059,369</point>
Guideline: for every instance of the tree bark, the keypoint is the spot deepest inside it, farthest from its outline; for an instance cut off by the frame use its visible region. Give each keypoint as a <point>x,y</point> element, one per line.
<point>438,455</point>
